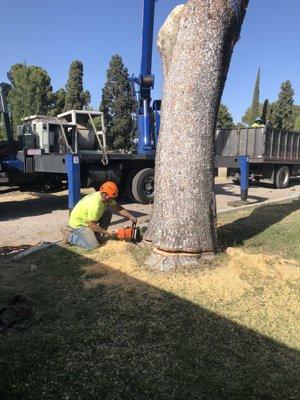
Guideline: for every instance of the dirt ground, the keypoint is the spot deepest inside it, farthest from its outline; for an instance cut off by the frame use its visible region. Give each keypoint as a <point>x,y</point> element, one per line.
<point>32,218</point>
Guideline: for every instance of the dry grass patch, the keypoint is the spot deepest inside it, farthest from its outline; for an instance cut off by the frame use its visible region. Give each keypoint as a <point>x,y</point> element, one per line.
<point>257,290</point>
<point>103,327</point>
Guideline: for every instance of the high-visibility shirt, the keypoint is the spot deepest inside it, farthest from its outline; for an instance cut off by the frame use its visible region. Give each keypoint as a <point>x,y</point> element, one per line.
<point>89,208</point>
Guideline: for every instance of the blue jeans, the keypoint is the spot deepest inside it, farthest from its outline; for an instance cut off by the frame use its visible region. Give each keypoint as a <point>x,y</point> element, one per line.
<point>85,237</point>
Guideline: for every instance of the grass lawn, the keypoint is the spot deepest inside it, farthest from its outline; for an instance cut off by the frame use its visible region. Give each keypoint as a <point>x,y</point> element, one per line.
<point>98,326</point>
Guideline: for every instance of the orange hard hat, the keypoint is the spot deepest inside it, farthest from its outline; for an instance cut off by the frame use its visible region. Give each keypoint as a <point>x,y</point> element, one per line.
<point>110,188</point>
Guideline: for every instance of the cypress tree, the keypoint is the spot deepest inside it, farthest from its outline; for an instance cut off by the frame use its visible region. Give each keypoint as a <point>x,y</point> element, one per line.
<point>59,102</point>
<point>265,111</point>
<point>117,104</point>
<point>224,119</point>
<point>31,91</point>
<point>255,109</point>
<point>255,100</point>
<point>283,116</point>
<point>76,97</point>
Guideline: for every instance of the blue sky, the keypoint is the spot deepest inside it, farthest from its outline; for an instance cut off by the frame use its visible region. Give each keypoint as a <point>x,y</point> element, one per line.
<point>52,33</point>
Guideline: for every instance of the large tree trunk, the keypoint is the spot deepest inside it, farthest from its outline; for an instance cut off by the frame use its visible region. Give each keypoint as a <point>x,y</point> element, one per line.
<point>196,44</point>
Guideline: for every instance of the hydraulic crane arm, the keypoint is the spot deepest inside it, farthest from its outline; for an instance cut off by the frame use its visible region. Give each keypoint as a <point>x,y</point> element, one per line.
<point>146,79</point>
<point>146,76</point>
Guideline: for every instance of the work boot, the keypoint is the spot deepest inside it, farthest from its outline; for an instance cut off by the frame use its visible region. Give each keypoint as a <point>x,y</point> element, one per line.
<point>65,233</point>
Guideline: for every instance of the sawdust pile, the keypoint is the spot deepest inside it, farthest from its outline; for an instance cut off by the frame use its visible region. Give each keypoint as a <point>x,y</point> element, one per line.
<point>247,288</point>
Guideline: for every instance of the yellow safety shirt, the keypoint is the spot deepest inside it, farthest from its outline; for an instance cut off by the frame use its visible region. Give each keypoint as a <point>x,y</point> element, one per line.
<point>90,208</point>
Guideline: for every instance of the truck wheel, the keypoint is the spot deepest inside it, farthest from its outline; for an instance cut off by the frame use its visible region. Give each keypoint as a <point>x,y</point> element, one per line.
<point>143,186</point>
<point>128,185</point>
<point>282,177</point>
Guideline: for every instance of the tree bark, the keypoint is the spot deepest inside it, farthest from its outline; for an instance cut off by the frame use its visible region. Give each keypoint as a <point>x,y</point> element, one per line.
<point>196,44</point>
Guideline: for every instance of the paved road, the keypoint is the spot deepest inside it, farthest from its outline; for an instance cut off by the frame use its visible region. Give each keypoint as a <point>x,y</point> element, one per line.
<point>27,219</point>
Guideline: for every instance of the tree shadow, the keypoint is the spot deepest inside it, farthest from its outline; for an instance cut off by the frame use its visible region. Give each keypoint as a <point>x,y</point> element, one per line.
<point>223,189</point>
<point>43,204</point>
<point>122,338</point>
<point>14,209</point>
<point>242,229</point>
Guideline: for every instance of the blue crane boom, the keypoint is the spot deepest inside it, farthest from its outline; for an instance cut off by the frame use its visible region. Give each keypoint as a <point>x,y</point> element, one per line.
<point>146,144</point>
<point>147,40</point>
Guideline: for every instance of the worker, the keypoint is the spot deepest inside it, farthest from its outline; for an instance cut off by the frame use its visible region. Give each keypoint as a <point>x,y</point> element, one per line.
<point>90,218</point>
<point>258,123</point>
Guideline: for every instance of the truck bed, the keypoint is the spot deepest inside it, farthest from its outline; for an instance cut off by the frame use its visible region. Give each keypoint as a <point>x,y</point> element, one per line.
<point>262,145</point>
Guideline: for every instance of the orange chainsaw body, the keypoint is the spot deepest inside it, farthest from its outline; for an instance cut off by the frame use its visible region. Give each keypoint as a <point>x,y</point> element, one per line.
<point>127,233</point>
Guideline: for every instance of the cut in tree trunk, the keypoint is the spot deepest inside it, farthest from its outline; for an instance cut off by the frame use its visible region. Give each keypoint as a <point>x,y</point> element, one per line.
<point>196,44</point>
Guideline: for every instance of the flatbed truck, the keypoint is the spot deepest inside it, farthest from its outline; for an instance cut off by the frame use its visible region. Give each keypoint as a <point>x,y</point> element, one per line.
<point>274,154</point>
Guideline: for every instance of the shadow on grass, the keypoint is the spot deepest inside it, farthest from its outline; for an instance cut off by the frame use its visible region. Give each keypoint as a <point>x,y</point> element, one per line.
<point>128,340</point>
<point>242,229</point>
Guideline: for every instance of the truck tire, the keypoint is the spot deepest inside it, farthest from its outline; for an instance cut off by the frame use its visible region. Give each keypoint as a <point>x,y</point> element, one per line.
<point>143,186</point>
<point>282,177</point>
<point>128,184</point>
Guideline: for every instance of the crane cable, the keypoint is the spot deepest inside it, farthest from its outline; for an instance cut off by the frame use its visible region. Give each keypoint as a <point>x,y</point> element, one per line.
<point>69,148</point>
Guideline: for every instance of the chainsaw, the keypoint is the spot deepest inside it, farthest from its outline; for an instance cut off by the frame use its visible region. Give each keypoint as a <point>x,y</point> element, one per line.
<point>129,233</point>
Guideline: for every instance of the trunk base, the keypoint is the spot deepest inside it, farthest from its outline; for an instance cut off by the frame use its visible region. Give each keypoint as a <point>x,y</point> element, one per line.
<point>146,243</point>
<point>164,261</point>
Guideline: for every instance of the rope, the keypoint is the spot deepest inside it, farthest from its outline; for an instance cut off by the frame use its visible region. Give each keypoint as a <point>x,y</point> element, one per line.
<point>237,8</point>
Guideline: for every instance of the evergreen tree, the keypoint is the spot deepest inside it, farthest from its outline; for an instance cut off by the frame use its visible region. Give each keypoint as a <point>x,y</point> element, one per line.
<point>270,112</point>
<point>2,128</point>
<point>248,118</point>
<point>31,91</point>
<point>224,117</point>
<point>76,97</point>
<point>5,89</point>
<point>255,109</point>
<point>117,104</point>
<point>283,116</point>
<point>86,99</point>
<point>296,110</point>
<point>255,100</point>
<point>59,102</point>
<point>297,124</point>
<point>264,113</point>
